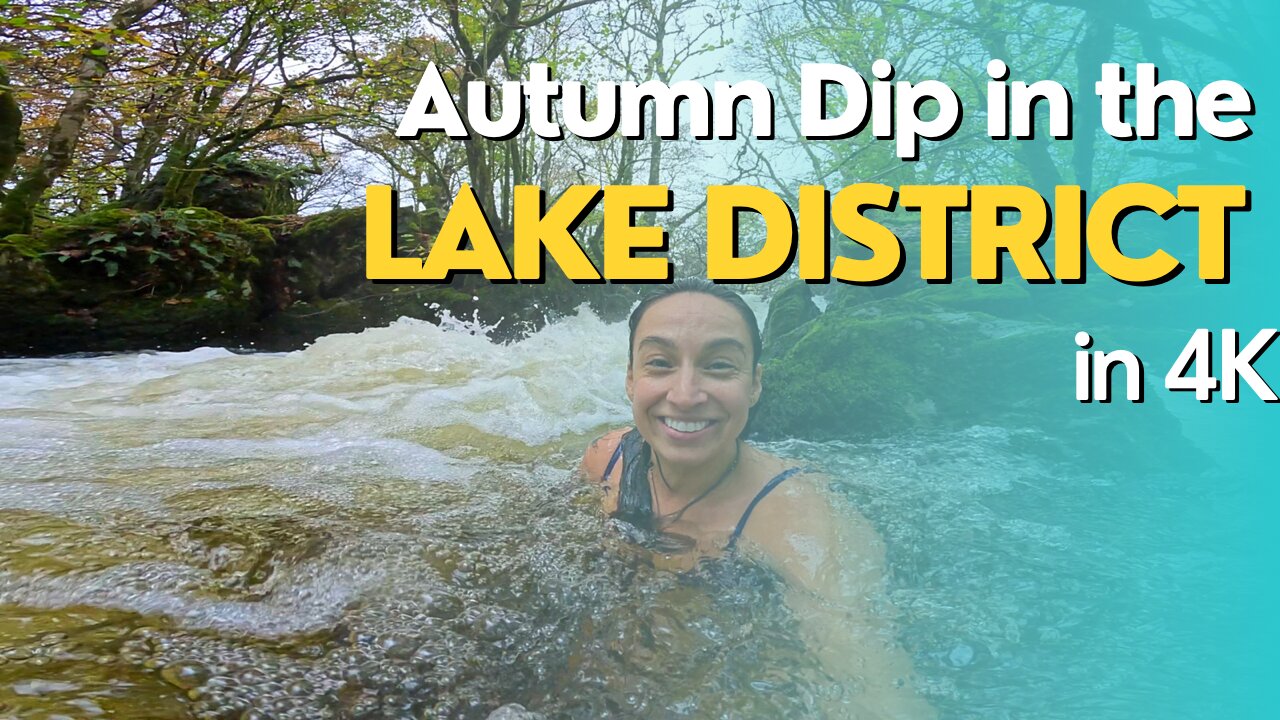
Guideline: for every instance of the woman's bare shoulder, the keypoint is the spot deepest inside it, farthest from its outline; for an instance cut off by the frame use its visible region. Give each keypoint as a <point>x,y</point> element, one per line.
<point>596,459</point>
<point>809,530</point>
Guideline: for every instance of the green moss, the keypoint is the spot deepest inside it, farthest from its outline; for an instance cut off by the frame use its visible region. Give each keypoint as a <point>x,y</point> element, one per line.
<point>24,245</point>
<point>789,309</point>
<point>843,378</point>
<point>77,229</point>
<point>188,250</point>
<point>1009,299</point>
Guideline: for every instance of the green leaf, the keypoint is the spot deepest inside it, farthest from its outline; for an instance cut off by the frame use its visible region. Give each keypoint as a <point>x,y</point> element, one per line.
<point>112,268</point>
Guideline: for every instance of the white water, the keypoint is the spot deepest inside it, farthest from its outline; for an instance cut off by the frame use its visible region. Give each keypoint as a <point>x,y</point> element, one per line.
<point>385,525</point>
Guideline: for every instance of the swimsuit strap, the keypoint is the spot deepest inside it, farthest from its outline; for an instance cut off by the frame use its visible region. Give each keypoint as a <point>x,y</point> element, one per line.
<point>768,488</point>
<point>613,460</point>
<point>742,522</point>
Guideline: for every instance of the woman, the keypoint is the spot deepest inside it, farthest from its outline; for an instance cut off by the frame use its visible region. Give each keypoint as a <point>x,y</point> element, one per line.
<point>693,376</point>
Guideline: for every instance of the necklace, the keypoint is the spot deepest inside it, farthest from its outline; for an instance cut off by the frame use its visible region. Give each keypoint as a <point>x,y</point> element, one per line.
<point>674,516</point>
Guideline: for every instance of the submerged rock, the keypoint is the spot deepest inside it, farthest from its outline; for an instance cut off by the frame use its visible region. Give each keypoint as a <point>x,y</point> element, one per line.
<point>514,711</point>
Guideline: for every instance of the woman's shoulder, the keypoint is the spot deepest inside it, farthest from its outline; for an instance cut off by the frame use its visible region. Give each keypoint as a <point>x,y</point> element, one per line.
<point>804,520</point>
<point>769,469</point>
<point>596,459</point>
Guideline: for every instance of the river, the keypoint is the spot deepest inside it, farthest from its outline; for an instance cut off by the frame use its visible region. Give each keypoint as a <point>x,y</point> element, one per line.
<point>386,525</point>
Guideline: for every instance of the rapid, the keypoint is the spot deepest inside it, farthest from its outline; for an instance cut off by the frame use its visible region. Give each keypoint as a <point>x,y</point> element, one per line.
<point>387,525</point>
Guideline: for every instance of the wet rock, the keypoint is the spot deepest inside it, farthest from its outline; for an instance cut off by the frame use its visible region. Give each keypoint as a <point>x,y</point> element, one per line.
<point>124,278</point>
<point>244,553</point>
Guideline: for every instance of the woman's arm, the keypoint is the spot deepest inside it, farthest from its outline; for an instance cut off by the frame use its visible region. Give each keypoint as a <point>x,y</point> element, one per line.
<point>833,563</point>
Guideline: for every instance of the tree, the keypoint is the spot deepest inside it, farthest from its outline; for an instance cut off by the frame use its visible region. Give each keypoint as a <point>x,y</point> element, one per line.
<point>951,40</point>
<point>19,204</point>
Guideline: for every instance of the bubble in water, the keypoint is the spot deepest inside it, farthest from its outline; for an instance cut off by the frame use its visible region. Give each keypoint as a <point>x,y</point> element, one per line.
<point>185,674</point>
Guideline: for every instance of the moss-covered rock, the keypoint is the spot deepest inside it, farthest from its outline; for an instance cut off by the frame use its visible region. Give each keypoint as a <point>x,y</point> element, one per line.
<point>123,279</point>
<point>789,309</point>
<point>119,279</point>
<point>235,187</point>
<point>317,282</point>
<point>926,361</point>
<point>174,252</point>
<point>28,291</point>
<point>324,257</point>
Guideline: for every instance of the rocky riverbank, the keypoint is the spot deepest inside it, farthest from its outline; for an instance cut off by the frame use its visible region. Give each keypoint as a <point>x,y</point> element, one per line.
<point>872,364</point>
<point>124,279</point>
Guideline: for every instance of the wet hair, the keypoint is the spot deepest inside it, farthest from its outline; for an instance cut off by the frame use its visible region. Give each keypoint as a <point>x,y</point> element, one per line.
<point>704,287</point>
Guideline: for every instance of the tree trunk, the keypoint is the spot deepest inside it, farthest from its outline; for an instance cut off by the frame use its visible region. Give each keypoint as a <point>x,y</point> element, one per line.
<point>1095,48</point>
<point>19,205</point>
<point>181,173</point>
<point>10,128</point>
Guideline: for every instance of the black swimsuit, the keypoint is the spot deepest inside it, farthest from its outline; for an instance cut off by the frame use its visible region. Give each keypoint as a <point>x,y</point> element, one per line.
<point>746,515</point>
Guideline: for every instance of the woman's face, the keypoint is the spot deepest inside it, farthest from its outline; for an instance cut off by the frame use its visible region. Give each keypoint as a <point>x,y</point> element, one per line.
<point>692,380</point>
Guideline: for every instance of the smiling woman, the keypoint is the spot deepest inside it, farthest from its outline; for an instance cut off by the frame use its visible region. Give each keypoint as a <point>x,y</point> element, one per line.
<point>684,475</point>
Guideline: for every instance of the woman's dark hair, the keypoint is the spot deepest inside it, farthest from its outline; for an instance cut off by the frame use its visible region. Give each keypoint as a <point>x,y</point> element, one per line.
<point>705,287</point>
